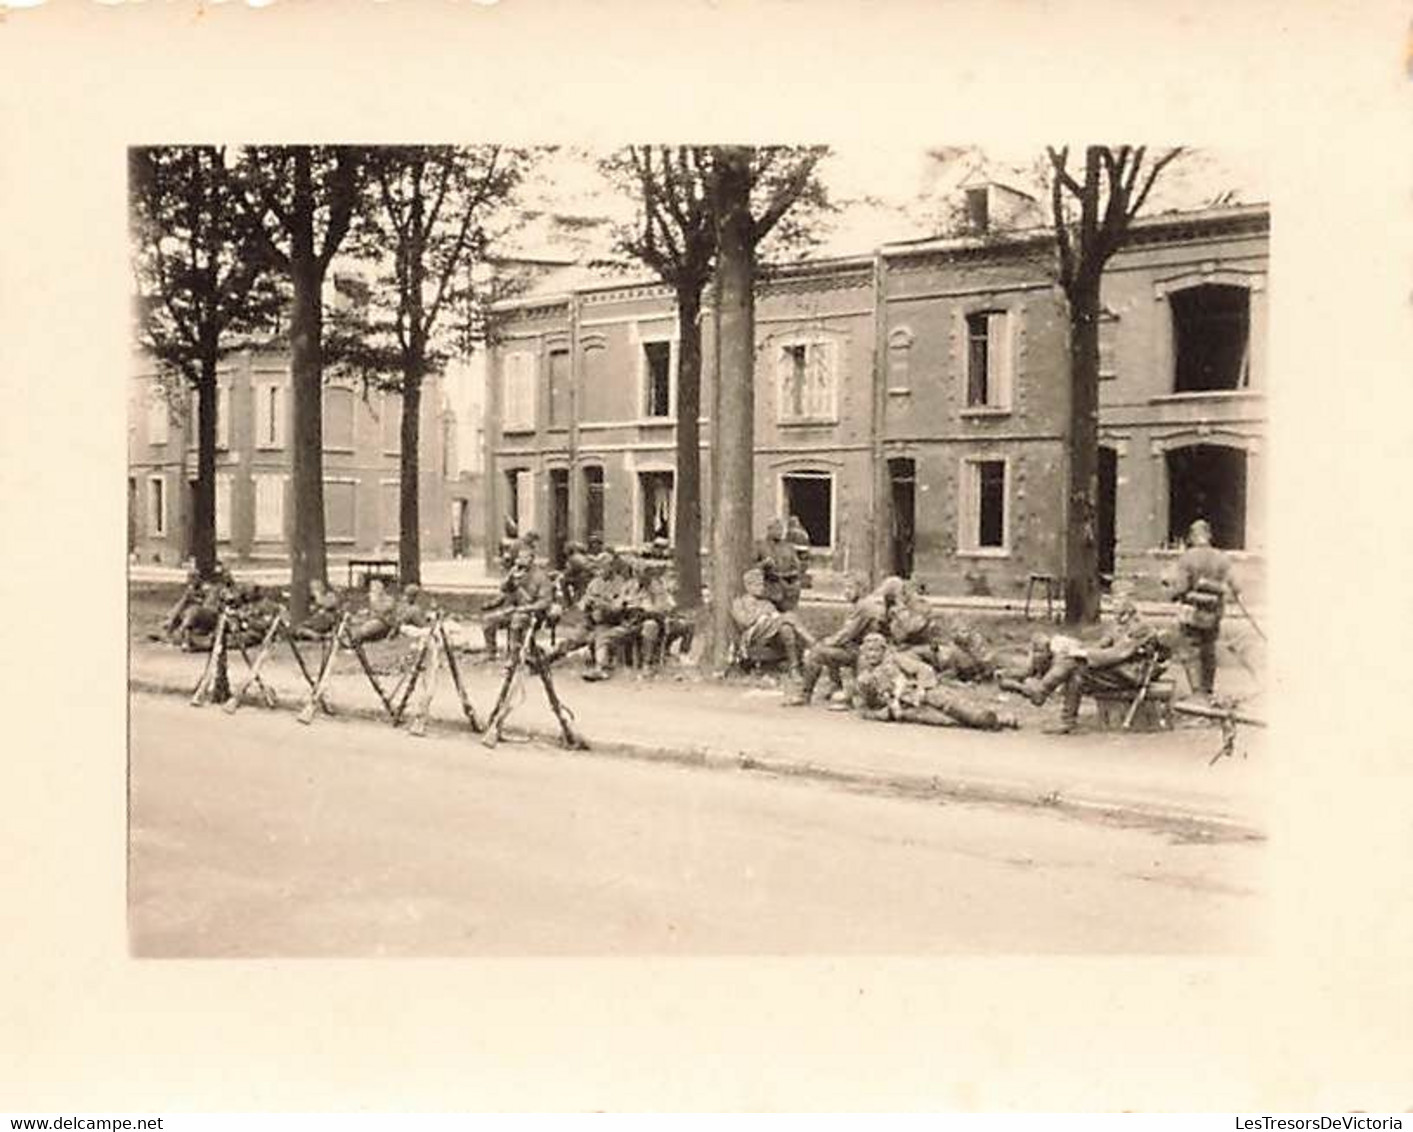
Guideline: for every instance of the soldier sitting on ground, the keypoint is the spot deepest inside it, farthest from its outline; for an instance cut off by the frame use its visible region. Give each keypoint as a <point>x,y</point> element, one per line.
<point>325,609</point>
<point>611,607</point>
<point>837,654</point>
<point>894,686</point>
<point>662,625</point>
<point>191,595</point>
<point>526,597</point>
<point>1119,661</point>
<point>378,619</point>
<point>765,633</point>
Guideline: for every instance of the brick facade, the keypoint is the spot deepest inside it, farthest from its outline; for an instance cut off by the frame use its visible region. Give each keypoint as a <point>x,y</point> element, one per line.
<point>253,463</point>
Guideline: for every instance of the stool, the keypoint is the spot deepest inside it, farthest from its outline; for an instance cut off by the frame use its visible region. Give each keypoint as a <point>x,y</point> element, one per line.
<point>1054,591</point>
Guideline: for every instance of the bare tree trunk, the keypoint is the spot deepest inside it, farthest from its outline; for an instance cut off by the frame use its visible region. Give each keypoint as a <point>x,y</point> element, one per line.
<point>687,523</point>
<point>409,544</point>
<point>203,509</point>
<point>308,555</point>
<point>1081,530</point>
<point>734,449</point>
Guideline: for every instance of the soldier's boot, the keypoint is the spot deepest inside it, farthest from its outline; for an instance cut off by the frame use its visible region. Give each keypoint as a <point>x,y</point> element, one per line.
<point>809,678</point>
<point>843,696</point>
<point>651,636</point>
<point>601,659</point>
<point>966,713</point>
<point>1069,710</point>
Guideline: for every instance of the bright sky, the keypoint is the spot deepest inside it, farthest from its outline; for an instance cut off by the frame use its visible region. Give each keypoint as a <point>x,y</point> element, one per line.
<point>885,193</point>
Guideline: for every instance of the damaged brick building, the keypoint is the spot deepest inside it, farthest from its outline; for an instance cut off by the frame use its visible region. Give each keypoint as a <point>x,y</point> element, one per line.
<point>911,404</point>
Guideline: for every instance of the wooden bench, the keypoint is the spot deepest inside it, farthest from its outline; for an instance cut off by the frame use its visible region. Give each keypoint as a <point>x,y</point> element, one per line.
<point>384,569</point>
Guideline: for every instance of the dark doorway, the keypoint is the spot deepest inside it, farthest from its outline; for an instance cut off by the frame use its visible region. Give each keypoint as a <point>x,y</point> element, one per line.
<point>809,496</point>
<point>559,515</point>
<point>902,476</point>
<point>1208,481</point>
<point>1107,532</point>
<point>593,503</point>
<point>132,514</point>
<point>189,520</point>
<point>1211,332</point>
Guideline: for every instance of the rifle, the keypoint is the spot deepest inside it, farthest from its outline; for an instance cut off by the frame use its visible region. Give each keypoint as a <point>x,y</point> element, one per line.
<point>233,704</point>
<point>1228,717</point>
<point>316,691</point>
<point>1241,605</point>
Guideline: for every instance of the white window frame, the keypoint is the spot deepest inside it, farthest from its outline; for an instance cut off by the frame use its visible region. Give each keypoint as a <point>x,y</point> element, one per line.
<point>834,359</point>
<point>782,500</point>
<point>352,424</point>
<point>278,480</point>
<point>642,341</point>
<point>518,410</point>
<point>223,497</point>
<point>159,416</point>
<point>525,497</point>
<point>1000,362</point>
<point>640,501</point>
<point>270,395</point>
<point>341,540</point>
<point>969,507</point>
<point>157,515</point>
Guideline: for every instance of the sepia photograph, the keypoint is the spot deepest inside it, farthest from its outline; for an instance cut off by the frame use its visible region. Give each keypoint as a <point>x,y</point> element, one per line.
<point>777,549</point>
<point>708,556</point>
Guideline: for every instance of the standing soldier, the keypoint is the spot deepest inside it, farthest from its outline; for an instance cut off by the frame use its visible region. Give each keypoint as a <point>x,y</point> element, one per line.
<point>1202,580</point>
<point>779,561</point>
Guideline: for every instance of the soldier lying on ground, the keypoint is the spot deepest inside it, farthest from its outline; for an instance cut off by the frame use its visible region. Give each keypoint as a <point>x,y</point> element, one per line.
<point>1117,662</point>
<point>895,686</point>
<point>837,654</point>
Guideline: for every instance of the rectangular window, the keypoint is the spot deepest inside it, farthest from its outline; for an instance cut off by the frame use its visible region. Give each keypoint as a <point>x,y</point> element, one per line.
<point>978,209</point>
<point>338,419</point>
<point>1108,333</point>
<point>157,505</point>
<point>805,374</point>
<point>809,497</point>
<point>988,360</point>
<point>269,507</point>
<point>223,420</point>
<point>156,417</point>
<point>657,379</point>
<point>983,506</point>
<point>340,498</point>
<point>518,391</point>
<point>390,422</point>
<point>520,499</point>
<point>593,502</point>
<point>269,416</point>
<point>223,508</point>
<point>558,388</point>
<point>656,493</point>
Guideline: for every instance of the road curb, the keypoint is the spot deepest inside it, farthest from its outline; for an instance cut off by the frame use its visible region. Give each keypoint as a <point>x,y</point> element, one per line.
<point>938,787</point>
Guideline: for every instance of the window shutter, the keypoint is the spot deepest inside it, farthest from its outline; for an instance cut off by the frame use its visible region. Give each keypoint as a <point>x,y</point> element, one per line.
<point>277,397</point>
<point>223,508</point>
<point>223,417</point>
<point>784,378</point>
<point>999,356</point>
<point>156,417</point>
<point>820,402</point>
<point>968,488</point>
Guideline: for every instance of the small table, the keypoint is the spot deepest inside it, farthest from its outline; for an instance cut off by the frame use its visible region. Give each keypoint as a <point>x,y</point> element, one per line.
<point>370,568</point>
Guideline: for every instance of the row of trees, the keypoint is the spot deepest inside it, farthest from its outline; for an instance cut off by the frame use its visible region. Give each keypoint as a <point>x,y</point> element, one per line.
<point>226,241</point>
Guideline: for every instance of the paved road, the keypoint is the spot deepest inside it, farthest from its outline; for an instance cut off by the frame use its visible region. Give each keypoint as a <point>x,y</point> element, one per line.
<point>253,836</point>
